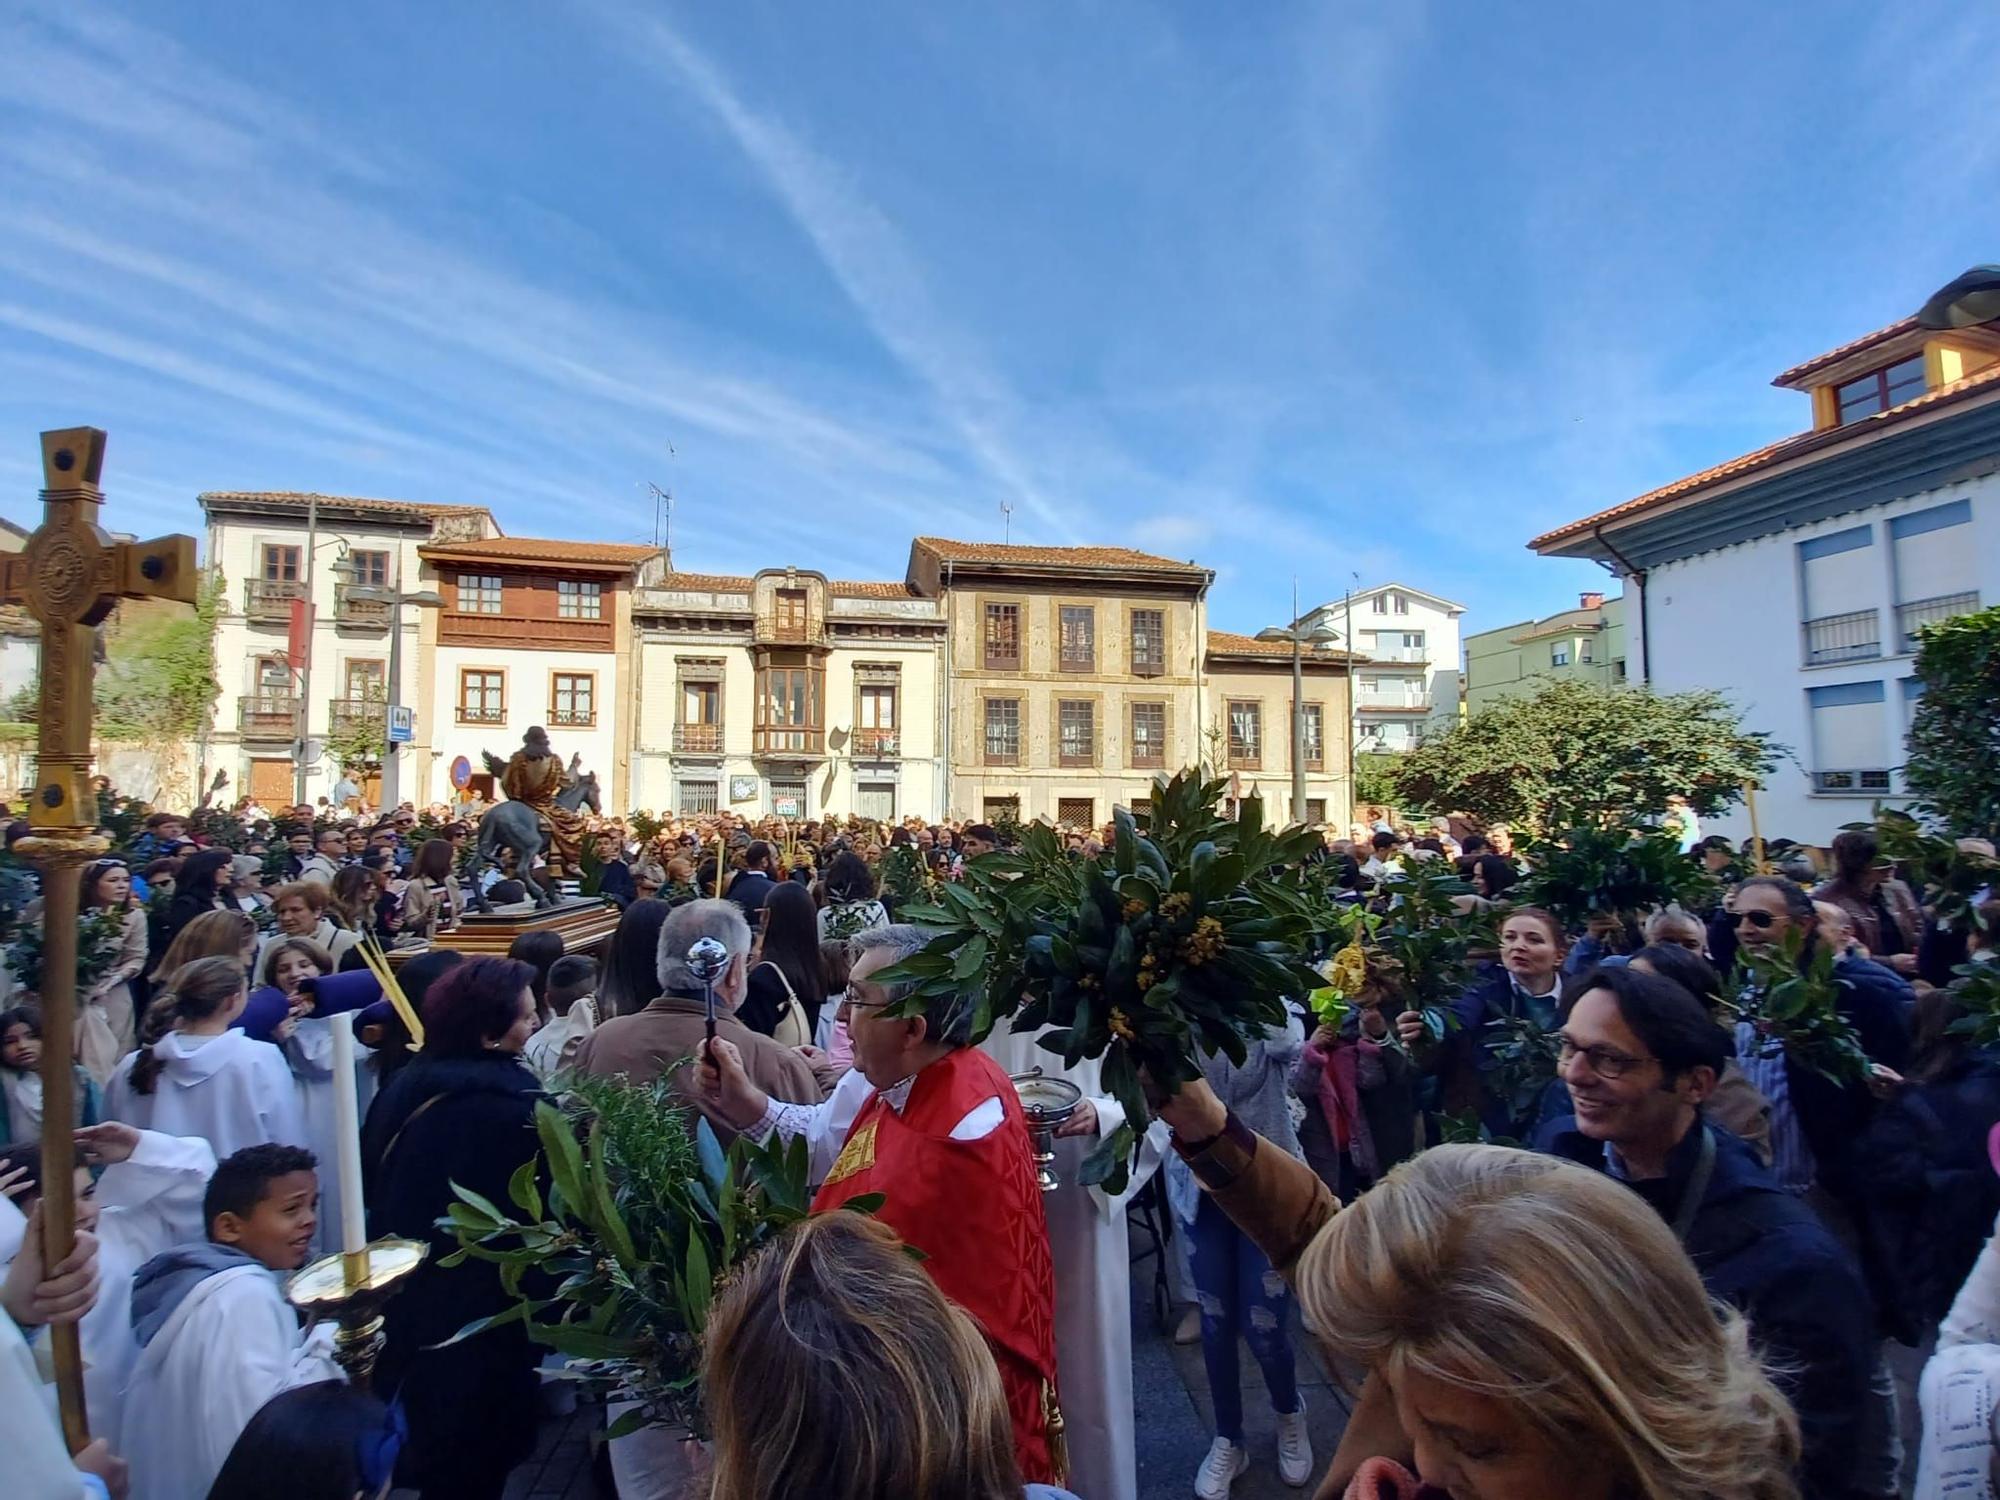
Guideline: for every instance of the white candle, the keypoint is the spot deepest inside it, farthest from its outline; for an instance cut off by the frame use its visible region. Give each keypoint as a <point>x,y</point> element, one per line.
<point>347,1129</point>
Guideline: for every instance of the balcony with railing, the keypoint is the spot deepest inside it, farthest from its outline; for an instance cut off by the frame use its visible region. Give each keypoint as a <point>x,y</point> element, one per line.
<point>351,613</point>
<point>697,739</point>
<point>1917,613</point>
<point>787,740</point>
<point>573,718</point>
<point>877,744</point>
<point>1400,653</point>
<point>1854,636</point>
<point>268,716</point>
<point>352,715</point>
<point>1393,703</point>
<point>268,601</point>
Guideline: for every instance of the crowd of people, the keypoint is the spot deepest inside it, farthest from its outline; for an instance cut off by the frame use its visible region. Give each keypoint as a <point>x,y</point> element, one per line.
<point>1669,1269</point>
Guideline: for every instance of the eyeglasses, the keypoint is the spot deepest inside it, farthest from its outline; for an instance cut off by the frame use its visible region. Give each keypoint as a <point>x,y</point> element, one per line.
<point>850,1002</point>
<point>1605,1062</point>
<point>1761,920</point>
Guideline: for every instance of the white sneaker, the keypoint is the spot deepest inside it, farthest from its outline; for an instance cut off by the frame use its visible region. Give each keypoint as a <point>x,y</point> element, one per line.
<point>1295,1449</point>
<point>1219,1470</point>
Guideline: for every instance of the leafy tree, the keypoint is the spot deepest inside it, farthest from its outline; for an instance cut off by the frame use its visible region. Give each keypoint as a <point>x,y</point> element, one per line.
<point>1577,754</point>
<point>1954,764</point>
<point>158,682</point>
<point>1375,778</point>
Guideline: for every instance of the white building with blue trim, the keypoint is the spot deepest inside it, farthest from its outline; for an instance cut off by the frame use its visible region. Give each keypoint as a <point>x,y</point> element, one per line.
<point>1794,578</point>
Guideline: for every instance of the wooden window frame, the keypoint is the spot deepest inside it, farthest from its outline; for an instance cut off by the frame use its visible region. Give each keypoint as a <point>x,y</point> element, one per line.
<point>475,586</point>
<point>1158,761</point>
<point>369,581</point>
<point>987,755</point>
<point>877,741</point>
<point>777,738</point>
<point>481,718</point>
<point>1156,665</point>
<point>1251,758</point>
<point>1089,757</point>
<point>1879,379</point>
<point>1066,661</point>
<point>787,624</point>
<point>987,611</point>
<point>555,714</point>
<point>282,552</point>
<point>572,594</point>
<point>1315,761</point>
<point>347,666</point>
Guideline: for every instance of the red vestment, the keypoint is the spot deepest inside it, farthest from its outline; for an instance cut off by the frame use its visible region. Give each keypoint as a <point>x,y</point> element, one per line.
<point>973,1209</point>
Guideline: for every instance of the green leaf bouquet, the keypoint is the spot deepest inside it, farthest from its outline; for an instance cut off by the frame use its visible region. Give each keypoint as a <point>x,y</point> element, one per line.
<point>619,1232</point>
<point>1183,939</point>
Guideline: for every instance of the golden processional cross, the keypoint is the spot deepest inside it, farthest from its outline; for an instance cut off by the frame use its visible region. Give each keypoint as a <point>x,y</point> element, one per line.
<point>70,576</point>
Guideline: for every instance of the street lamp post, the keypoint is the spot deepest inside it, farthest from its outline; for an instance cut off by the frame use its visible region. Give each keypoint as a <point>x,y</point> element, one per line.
<point>1299,639</point>
<point>395,598</point>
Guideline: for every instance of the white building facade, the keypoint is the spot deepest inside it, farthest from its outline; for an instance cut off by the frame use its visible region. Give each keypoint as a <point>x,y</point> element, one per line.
<point>1407,676</point>
<point>1793,579</point>
<point>278,549</point>
<point>788,694</point>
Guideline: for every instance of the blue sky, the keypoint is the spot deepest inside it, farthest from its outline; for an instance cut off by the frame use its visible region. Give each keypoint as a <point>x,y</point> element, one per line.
<point>1306,289</point>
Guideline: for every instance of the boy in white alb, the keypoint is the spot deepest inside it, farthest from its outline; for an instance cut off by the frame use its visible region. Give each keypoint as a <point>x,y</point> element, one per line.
<point>216,1337</point>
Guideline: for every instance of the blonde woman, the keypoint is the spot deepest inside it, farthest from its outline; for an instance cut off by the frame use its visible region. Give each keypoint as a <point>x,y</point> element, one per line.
<point>1530,1328</point>
<point>221,933</point>
<point>837,1305</point>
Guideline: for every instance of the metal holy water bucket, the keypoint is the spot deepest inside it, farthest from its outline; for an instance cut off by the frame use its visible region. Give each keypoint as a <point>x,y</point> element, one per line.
<point>1047,1102</point>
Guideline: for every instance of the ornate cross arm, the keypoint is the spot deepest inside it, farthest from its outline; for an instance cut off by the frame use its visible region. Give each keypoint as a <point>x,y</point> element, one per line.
<point>70,576</point>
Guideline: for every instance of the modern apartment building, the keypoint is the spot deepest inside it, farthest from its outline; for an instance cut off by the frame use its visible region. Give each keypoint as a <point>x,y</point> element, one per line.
<point>1585,644</point>
<point>1406,646</point>
<point>1794,577</point>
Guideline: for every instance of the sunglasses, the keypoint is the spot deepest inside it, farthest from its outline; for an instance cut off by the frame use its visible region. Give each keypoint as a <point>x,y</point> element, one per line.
<point>1761,920</point>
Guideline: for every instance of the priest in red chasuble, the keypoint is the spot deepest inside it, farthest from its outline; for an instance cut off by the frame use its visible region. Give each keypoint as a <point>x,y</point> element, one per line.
<point>933,1125</point>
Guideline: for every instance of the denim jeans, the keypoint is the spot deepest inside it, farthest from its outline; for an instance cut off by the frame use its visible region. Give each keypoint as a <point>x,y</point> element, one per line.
<point>1239,1293</point>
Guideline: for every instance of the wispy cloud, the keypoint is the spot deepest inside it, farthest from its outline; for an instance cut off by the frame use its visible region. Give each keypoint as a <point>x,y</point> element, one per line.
<point>869,257</point>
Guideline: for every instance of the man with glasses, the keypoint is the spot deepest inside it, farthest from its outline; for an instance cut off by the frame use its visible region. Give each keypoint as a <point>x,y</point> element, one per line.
<point>941,1137</point>
<point>1640,1055</point>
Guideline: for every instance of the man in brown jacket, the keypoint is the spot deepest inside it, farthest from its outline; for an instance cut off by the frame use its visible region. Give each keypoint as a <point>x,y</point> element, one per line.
<point>666,1037</point>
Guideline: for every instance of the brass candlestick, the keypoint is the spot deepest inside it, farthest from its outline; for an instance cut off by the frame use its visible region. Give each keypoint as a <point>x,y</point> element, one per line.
<point>352,1288</point>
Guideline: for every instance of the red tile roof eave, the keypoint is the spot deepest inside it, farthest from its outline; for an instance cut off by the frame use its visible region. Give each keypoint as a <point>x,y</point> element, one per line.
<point>1797,445</point>
<point>1819,362</point>
<point>414,508</point>
<point>1077,559</point>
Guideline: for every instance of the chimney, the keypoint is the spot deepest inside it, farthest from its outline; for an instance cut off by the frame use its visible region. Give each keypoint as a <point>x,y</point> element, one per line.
<point>1593,601</point>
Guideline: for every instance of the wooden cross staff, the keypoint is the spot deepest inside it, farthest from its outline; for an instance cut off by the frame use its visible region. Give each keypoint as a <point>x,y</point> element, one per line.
<point>70,576</point>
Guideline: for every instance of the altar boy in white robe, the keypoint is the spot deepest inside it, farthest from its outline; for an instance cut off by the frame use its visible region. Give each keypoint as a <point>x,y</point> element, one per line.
<point>147,1200</point>
<point>217,1338</point>
<point>1087,1238</point>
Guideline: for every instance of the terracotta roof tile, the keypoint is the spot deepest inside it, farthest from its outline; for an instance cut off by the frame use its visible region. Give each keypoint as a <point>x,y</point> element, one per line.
<point>348,502</point>
<point>1229,643</point>
<point>1053,557</point>
<point>544,549</point>
<point>1784,448</point>
<point>843,588</point>
<point>1853,346</point>
<point>707,583</point>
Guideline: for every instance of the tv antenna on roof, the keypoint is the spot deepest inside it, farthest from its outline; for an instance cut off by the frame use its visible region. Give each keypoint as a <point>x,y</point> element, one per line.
<point>663,504</point>
<point>1006,520</point>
